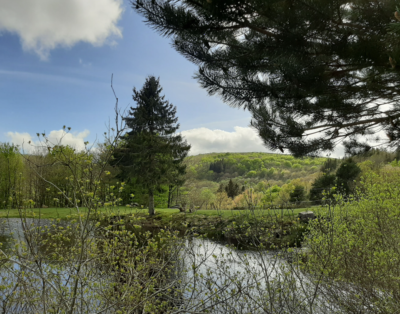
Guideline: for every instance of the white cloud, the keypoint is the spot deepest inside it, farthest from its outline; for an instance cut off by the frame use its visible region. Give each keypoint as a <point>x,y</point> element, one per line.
<point>243,139</point>
<point>204,140</point>
<point>75,140</point>
<point>338,152</point>
<point>46,24</point>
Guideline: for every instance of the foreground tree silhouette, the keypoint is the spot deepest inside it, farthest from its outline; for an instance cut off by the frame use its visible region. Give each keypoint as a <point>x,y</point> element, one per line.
<point>151,152</point>
<point>322,68</point>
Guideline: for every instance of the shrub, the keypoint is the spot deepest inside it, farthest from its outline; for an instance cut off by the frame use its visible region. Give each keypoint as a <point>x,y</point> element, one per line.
<point>252,174</point>
<point>287,164</point>
<point>358,243</point>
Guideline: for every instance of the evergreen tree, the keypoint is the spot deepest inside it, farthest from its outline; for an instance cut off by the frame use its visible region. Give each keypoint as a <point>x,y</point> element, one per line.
<point>152,152</point>
<point>319,68</point>
<point>221,188</point>
<point>345,176</point>
<point>232,189</point>
<point>298,194</point>
<point>321,188</point>
<point>218,166</point>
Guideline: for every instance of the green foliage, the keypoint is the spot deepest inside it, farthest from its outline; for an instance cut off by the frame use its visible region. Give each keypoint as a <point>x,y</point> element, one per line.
<point>271,172</point>
<point>256,163</point>
<point>264,173</point>
<point>251,174</point>
<point>260,166</point>
<point>261,186</point>
<point>395,163</point>
<point>11,170</point>
<point>341,180</point>
<point>330,165</point>
<point>161,198</point>
<point>287,164</point>
<point>208,197</point>
<point>378,157</point>
<point>271,195</point>
<point>221,188</point>
<point>218,166</point>
<point>359,242</point>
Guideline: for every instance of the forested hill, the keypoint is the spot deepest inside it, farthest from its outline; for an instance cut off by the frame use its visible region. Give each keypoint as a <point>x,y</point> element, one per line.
<point>219,167</point>
<point>273,179</point>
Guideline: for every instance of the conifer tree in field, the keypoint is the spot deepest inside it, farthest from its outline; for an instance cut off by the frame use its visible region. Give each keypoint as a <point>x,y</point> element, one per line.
<point>232,189</point>
<point>151,152</point>
<point>312,73</point>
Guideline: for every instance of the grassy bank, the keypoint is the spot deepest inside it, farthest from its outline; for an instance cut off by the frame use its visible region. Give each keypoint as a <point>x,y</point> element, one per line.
<point>63,213</point>
<point>244,228</point>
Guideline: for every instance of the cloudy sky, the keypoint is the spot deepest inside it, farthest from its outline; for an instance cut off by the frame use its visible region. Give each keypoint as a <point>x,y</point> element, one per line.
<point>57,60</point>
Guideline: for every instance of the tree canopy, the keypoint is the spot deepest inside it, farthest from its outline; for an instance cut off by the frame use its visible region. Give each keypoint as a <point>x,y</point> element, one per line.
<point>312,73</point>
<point>151,152</point>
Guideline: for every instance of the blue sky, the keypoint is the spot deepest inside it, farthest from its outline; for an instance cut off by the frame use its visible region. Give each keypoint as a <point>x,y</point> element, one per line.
<point>47,81</point>
<point>57,61</point>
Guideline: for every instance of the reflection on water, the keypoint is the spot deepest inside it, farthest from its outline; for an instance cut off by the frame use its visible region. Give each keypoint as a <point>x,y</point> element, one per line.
<point>40,232</point>
<point>213,277</point>
<point>248,281</point>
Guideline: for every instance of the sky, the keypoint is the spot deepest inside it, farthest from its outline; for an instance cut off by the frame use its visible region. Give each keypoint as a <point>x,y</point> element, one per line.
<point>57,58</point>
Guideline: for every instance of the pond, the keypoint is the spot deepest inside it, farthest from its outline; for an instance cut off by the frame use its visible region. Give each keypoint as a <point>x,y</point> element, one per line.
<point>212,276</point>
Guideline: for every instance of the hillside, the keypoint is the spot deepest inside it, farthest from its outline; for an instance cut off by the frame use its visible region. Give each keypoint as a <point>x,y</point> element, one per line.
<point>269,180</point>
<point>256,177</point>
<point>251,167</point>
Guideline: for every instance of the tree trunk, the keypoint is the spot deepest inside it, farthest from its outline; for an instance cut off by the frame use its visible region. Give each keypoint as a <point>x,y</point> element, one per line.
<point>170,190</point>
<point>151,203</point>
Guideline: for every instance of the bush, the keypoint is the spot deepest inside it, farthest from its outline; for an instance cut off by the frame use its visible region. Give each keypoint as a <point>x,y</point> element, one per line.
<point>252,174</point>
<point>287,164</point>
<point>358,243</point>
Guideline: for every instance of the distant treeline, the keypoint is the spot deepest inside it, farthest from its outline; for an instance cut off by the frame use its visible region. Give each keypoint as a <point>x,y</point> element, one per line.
<point>216,167</point>
<point>281,178</point>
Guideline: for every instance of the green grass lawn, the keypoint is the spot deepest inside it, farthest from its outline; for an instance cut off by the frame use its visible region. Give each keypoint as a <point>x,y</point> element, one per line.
<point>61,212</point>
<point>65,212</point>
